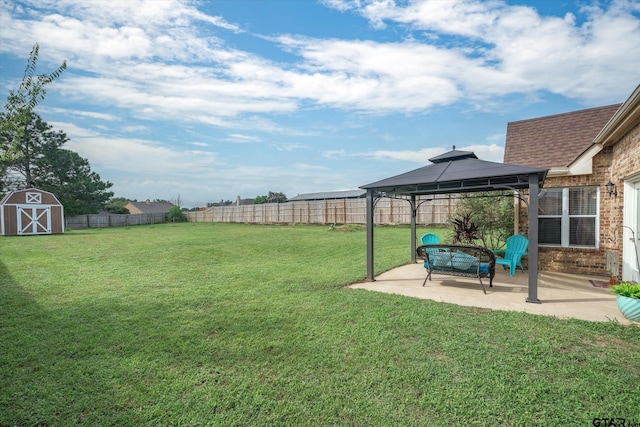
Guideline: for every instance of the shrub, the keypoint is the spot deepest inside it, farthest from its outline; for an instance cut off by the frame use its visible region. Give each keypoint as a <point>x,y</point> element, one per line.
<point>465,231</point>
<point>492,215</point>
<point>627,289</point>
<point>175,214</point>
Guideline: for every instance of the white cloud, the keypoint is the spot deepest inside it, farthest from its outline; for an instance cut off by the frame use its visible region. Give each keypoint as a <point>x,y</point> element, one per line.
<point>459,17</point>
<point>498,137</point>
<point>414,156</point>
<point>125,55</point>
<point>288,147</point>
<point>79,113</point>
<point>242,139</point>
<point>520,51</point>
<point>334,154</point>
<point>306,167</point>
<point>492,152</point>
<point>135,129</point>
<point>372,76</point>
<point>72,130</point>
<point>341,5</point>
<point>140,157</point>
<point>143,169</point>
<point>167,61</point>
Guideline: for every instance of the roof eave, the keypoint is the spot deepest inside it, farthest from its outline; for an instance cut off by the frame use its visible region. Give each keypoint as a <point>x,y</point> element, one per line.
<point>627,116</point>
<point>582,165</point>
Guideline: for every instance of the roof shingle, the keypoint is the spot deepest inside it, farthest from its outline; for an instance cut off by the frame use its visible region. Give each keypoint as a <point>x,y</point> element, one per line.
<point>555,141</point>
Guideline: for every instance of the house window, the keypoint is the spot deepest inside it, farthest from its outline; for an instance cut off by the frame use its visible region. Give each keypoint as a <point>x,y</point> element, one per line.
<point>568,217</point>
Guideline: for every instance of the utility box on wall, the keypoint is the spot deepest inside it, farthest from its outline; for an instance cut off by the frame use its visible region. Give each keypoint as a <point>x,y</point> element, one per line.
<point>30,212</point>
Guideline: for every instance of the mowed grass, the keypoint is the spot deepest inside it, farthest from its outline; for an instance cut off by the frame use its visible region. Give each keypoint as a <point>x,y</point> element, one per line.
<point>233,325</point>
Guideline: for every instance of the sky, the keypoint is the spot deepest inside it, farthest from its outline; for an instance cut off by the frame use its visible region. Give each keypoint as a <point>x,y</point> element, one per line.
<point>207,101</point>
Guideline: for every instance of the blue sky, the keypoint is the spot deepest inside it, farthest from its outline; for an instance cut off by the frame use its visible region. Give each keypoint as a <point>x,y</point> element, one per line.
<point>211,100</point>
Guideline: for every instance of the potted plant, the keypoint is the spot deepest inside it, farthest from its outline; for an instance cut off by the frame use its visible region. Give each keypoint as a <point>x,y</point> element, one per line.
<point>628,299</point>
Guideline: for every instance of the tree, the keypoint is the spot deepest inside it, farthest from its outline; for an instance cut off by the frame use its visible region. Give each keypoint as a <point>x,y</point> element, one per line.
<point>492,215</point>
<point>220,203</point>
<point>117,205</point>
<point>20,105</point>
<point>175,214</point>
<point>177,201</point>
<point>70,178</point>
<point>42,163</point>
<point>272,197</point>
<point>276,197</point>
<point>35,141</point>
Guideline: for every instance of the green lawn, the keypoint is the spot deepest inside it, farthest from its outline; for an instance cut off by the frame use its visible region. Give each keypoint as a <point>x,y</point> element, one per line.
<point>225,324</point>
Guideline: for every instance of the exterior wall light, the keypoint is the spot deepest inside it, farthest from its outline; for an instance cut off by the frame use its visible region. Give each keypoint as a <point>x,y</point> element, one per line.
<point>611,189</point>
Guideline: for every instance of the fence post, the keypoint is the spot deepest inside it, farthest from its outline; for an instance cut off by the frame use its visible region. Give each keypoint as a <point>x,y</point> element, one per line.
<point>325,216</point>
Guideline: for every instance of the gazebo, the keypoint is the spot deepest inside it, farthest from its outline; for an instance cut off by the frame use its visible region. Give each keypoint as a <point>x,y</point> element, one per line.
<point>460,172</point>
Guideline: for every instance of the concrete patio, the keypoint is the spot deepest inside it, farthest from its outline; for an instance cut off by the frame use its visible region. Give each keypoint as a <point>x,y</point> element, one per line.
<point>562,295</point>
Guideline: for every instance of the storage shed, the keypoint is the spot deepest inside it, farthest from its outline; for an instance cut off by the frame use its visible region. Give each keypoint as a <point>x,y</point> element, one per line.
<point>31,211</point>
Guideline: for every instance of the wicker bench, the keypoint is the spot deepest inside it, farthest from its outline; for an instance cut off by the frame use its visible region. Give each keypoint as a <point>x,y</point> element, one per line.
<point>458,260</point>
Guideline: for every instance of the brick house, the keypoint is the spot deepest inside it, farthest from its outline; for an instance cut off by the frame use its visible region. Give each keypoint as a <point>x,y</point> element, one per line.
<point>584,227</point>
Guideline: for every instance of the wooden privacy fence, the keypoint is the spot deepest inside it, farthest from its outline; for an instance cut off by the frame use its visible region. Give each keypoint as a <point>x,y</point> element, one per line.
<point>334,211</point>
<point>113,220</point>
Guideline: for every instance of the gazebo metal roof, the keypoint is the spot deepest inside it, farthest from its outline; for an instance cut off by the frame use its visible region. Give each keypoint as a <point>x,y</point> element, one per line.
<point>460,172</point>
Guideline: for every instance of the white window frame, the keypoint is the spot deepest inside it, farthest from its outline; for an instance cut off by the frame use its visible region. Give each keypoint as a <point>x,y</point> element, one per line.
<point>565,220</point>
<point>34,198</point>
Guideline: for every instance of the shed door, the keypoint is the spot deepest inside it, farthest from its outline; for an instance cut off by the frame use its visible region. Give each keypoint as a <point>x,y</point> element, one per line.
<point>34,220</point>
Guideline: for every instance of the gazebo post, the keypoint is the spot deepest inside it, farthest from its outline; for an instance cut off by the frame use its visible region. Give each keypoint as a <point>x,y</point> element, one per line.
<point>533,239</point>
<point>414,212</point>
<point>370,235</point>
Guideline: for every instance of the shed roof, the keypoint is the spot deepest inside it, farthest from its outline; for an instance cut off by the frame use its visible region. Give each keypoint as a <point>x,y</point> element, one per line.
<point>555,141</point>
<point>456,172</point>
<point>350,194</point>
<point>52,199</point>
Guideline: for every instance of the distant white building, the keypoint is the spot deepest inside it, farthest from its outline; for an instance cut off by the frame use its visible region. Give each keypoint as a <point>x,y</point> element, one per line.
<point>328,195</point>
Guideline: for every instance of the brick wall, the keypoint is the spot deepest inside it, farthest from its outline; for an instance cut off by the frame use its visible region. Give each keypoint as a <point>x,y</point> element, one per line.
<point>614,163</point>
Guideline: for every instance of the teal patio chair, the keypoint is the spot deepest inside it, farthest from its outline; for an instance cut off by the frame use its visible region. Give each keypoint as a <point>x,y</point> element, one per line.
<point>512,255</point>
<point>429,239</point>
